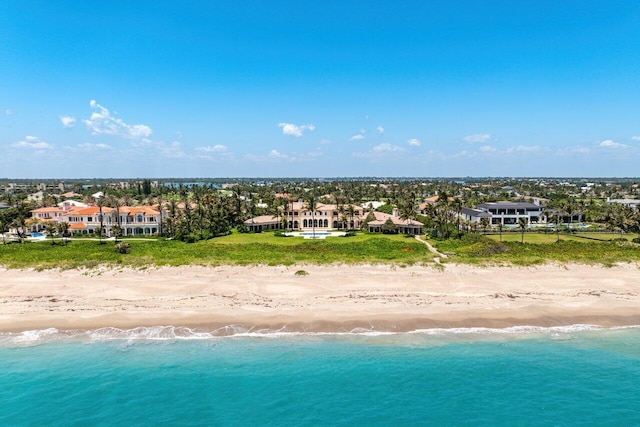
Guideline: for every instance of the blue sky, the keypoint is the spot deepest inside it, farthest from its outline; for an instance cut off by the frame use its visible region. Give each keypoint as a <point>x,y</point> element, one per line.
<point>320,89</point>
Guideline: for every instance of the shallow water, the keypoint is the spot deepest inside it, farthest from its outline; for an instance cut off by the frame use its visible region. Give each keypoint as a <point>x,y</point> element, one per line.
<point>174,376</point>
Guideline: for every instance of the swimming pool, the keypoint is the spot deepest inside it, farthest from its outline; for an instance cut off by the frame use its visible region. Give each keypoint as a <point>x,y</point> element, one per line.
<point>316,235</point>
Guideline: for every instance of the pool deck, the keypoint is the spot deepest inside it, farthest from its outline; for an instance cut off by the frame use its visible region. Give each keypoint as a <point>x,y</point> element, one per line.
<point>317,235</point>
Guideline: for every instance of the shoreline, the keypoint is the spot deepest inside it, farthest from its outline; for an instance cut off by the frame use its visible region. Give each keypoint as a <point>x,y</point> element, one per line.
<point>335,298</point>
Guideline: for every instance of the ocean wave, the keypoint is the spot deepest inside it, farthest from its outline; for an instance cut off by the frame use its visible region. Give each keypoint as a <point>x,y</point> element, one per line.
<point>177,333</point>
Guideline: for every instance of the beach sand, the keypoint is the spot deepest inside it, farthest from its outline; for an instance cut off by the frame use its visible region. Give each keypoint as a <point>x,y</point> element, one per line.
<point>330,298</point>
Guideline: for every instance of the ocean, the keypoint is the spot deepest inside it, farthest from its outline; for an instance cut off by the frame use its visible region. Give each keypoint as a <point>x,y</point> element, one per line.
<point>576,375</point>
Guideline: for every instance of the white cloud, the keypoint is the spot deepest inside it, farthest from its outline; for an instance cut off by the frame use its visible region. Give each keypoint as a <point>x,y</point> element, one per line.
<point>275,154</point>
<point>295,130</point>
<point>68,121</point>
<point>8,112</point>
<point>357,137</point>
<point>488,149</point>
<point>414,142</point>
<point>92,147</point>
<point>103,123</point>
<point>380,130</point>
<point>219,148</point>
<point>380,150</point>
<point>310,155</point>
<point>523,148</point>
<point>386,148</point>
<point>32,142</point>
<point>463,154</point>
<point>611,144</point>
<point>172,151</point>
<point>479,137</point>
<point>573,150</point>
<point>636,138</point>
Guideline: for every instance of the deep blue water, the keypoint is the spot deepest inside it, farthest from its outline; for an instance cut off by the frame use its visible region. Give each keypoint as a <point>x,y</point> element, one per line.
<point>573,377</point>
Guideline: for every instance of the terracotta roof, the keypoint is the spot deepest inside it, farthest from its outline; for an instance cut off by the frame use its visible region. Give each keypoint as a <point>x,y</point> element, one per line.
<point>382,217</point>
<point>77,226</point>
<point>90,210</point>
<point>147,210</point>
<point>262,219</point>
<point>47,209</point>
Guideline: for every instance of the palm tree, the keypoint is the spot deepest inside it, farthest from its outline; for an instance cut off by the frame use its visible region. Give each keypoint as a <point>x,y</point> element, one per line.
<point>522,224</point>
<point>484,222</point>
<point>311,205</point>
<point>2,230</point>
<point>342,215</point>
<point>351,210</point>
<point>115,203</point>
<point>160,210</point>
<point>127,200</point>
<point>100,203</point>
<point>63,229</point>
<point>407,210</point>
<point>457,204</point>
<point>51,229</point>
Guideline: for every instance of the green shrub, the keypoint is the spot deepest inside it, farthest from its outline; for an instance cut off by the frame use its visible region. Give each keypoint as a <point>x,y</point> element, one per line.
<point>301,273</point>
<point>122,248</point>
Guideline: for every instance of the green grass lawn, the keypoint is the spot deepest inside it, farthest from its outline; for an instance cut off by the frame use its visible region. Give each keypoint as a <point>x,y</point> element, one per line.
<point>537,249</point>
<point>552,238</point>
<point>235,249</point>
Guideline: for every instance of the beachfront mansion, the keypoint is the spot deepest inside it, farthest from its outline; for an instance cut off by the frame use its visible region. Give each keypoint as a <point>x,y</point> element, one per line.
<point>84,219</point>
<point>298,216</point>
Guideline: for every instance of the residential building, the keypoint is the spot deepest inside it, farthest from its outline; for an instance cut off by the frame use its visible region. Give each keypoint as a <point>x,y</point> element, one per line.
<point>632,203</point>
<point>297,216</point>
<point>509,213</point>
<point>403,226</point>
<point>133,220</point>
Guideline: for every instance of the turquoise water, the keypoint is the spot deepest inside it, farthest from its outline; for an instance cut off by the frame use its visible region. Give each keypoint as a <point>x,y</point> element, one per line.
<point>572,376</point>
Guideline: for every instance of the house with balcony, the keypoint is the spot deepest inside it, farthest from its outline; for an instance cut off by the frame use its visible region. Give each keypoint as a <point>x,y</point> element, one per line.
<point>297,216</point>
<point>508,213</point>
<point>133,220</point>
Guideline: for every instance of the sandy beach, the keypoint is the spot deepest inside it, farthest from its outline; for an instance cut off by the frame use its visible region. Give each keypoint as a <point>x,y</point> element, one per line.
<point>329,298</point>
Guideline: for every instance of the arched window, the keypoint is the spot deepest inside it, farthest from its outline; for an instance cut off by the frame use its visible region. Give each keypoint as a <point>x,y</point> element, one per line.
<point>326,223</point>
<point>304,223</point>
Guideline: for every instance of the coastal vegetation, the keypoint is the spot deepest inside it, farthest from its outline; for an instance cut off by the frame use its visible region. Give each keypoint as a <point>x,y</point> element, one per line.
<point>204,222</point>
<point>484,250</point>
<point>234,249</point>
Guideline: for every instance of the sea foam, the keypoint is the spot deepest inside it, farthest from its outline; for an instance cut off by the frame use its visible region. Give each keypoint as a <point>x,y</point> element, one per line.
<point>177,333</point>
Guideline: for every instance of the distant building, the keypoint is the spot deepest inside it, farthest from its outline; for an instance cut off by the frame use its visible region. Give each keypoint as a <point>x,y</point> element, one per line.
<point>632,203</point>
